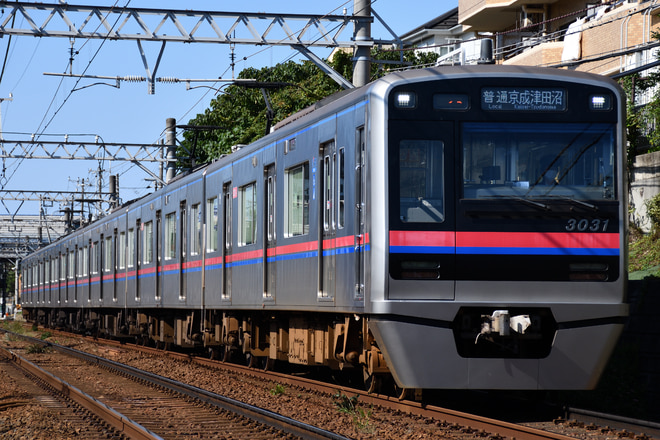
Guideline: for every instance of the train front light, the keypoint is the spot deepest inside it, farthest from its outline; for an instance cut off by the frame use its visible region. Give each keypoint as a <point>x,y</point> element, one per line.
<point>405,100</point>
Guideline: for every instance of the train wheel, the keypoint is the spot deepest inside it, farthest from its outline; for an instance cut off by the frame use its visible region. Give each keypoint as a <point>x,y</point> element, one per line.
<point>268,364</point>
<point>373,383</point>
<point>403,393</point>
<point>226,353</point>
<point>251,360</point>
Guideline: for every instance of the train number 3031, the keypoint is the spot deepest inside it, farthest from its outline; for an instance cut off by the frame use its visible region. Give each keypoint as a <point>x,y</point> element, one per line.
<point>585,224</point>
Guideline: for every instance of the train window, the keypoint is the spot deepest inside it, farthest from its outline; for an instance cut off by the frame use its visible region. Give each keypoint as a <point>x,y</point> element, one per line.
<point>247,200</point>
<point>296,221</point>
<point>228,195</point>
<point>212,224</point>
<point>122,250</point>
<point>83,258</point>
<point>147,243</point>
<point>421,184</point>
<point>72,264</point>
<point>270,202</point>
<point>63,267</point>
<point>195,229</point>
<point>46,271</point>
<point>53,269</point>
<point>170,236</point>
<point>95,257</point>
<point>130,247</point>
<point>539,160</point>
<point>107,254</point>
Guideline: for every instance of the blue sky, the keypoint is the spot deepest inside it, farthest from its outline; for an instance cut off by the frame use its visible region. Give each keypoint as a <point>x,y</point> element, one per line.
<point>46,104</point>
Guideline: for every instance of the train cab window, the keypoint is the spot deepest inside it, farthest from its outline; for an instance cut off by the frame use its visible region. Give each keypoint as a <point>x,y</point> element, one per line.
<point>539,160</point>
<point>421,183</point>
<point>170,236</point>
<point>247,212</point>
<point>212,224</point>
<point>296,215</point>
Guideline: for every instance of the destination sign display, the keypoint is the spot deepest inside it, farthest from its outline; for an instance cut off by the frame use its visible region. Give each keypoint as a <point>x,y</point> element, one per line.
<point>525,99</point>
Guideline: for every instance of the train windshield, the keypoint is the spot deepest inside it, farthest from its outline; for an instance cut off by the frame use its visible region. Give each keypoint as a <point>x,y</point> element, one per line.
<point>539,160</point>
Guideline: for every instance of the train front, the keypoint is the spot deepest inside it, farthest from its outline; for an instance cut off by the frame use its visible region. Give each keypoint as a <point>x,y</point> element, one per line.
<point>501,261</point>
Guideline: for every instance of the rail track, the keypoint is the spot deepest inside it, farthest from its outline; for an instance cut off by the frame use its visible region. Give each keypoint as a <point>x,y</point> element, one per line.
<point>145,406</point>
<point>464,425</point>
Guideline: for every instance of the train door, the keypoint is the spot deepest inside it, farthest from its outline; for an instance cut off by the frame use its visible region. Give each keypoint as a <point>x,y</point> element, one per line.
<point>159,254</point>
<point>183,243</point>
<point>328,226</point>
<point>227,197</point>
<point>422,166</point>
<point>360,199</point>
<point>270,267</point>
<point>138,257</point>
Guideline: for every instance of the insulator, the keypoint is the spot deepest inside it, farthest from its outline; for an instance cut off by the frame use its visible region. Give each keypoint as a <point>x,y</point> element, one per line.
<point>134,78</point>
<point>168,79</point>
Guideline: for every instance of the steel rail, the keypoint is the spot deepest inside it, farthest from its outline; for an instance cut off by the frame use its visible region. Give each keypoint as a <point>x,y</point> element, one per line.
<point>266,417</point>
<point>112,417</point>
<point>476,422</point>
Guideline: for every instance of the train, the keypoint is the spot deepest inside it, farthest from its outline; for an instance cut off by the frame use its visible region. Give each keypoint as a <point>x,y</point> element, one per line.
<point>458,227</point>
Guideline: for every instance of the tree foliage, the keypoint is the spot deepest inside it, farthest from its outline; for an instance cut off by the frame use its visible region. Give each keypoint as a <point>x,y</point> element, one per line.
<point>241,111</point>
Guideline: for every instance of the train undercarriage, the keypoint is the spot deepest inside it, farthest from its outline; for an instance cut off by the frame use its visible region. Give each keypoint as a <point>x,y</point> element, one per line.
<point>259,339</point>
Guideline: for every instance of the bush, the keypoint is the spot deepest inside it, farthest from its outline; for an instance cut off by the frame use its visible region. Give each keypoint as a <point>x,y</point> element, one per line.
<point>653,211</point>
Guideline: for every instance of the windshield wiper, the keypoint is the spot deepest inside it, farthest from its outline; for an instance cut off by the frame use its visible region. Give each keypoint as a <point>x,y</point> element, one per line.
<point>576,201</point>
<point>532,202</point>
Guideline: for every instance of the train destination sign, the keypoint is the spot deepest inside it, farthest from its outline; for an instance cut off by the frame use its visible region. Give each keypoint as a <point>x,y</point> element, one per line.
<point>523,99</point>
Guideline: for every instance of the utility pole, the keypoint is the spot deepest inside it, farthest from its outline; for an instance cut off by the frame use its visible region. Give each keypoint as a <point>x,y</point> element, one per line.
<point>170,141</point>
<point>363,43</point>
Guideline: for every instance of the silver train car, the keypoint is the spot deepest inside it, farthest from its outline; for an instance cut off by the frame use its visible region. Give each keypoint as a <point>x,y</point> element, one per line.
<point>454,227</point>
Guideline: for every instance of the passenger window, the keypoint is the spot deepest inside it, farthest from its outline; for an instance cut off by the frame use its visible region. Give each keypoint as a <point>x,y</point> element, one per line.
<point>147,244</point>
<point>247,199</point>
<point>297,201</point>
<point>421,181</point>
<point>195,229</point>
<point>170,236</point>
<point>212,224</point>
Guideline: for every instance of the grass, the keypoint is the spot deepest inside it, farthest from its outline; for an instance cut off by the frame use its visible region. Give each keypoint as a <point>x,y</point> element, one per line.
<point>278,389</point>
<point>349,405</point>
<point>644,258</point>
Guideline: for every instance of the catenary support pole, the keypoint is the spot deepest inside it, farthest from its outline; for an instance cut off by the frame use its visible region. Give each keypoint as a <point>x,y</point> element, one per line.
<point>363,43</point>
<point>170,141</point>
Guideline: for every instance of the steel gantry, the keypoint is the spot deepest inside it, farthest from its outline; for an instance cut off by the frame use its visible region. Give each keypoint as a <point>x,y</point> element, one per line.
<point>299,31</point>
<point>134,153</point>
